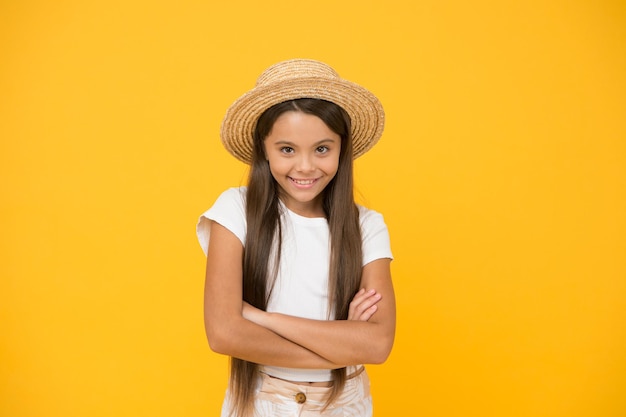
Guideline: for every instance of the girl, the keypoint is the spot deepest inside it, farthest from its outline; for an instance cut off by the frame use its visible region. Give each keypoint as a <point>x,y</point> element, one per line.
<point>298,285</point>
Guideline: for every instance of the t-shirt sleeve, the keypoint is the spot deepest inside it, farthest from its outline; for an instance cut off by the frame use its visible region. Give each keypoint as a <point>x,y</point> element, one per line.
<point>229,211</point>
<point>376,243</point>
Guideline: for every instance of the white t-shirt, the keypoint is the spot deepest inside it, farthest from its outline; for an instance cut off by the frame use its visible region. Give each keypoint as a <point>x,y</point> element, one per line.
<point>301,287</point>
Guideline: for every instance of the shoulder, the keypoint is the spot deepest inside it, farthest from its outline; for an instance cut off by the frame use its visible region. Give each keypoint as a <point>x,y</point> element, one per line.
<point>369,218</point>
<point>230,204</point>
<point>233,196</point>
<point>375,236</point>
<point>229,210</point>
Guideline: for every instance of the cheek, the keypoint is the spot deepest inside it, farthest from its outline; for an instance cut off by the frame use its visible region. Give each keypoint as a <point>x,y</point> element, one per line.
<point>331,166</point>
<point>277,169</point>
<point>276,164</point>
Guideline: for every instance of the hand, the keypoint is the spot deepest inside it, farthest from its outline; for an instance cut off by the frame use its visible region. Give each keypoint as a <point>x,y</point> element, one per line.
<point>363,305</point>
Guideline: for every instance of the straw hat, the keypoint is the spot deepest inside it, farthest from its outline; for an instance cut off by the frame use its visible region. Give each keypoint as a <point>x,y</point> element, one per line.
<point>302,78</point>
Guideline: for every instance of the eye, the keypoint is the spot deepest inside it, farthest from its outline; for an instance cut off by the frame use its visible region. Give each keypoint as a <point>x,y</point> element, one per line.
<point>322,149</point>
<point>287,149</point>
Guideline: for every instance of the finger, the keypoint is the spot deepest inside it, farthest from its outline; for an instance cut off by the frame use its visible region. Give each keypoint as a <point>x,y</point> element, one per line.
<point>368,303</point>
<point>368,313</point>
<point>361,296</point>
<point>359,306</point>
<point>358,300</point>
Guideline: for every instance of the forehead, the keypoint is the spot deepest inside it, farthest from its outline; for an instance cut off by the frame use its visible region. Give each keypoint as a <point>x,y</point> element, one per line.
<point>294,126</point>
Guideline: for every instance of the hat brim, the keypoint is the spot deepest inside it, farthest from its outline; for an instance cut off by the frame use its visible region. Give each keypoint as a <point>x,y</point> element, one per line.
<point>365,111</point>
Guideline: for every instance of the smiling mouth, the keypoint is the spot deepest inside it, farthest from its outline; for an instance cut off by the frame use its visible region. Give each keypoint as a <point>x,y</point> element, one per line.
<point>303,182</point>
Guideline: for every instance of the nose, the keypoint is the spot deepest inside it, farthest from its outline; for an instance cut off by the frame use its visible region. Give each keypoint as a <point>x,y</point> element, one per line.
<point>305,163</point>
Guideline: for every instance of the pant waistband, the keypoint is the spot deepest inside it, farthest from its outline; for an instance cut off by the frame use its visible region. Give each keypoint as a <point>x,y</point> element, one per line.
<point>354,374</point>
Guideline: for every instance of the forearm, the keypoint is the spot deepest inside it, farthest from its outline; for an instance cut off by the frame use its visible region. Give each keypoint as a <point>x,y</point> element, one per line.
<point>246,340</point>
<point>339,341</point>
<point>367,337</point>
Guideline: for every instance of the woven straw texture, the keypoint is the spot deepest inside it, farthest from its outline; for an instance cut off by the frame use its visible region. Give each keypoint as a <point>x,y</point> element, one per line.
<point>301,78</point>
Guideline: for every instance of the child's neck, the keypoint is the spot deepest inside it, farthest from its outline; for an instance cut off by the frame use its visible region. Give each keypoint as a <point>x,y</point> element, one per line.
<point>311,209</point>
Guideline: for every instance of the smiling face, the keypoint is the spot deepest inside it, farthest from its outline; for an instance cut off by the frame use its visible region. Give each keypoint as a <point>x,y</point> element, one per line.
<point>303,155</point>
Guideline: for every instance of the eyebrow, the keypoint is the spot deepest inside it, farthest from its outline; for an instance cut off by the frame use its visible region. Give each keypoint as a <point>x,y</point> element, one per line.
<point>288,143</point>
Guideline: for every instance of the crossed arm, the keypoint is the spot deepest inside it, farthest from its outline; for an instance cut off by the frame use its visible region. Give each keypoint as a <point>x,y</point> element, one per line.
<point>237,329</point>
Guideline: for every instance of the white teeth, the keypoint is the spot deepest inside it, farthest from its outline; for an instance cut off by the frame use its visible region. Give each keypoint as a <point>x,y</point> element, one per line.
<point>303,182</point>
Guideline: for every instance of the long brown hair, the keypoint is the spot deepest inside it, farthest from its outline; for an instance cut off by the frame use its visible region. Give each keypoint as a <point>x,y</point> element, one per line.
<point>263,236</point>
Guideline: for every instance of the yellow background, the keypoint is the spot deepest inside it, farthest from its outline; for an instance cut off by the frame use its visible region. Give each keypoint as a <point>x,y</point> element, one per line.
<point>501,175</point>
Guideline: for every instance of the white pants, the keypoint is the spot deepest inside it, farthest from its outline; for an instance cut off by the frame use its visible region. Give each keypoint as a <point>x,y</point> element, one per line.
<point>279,398</point>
